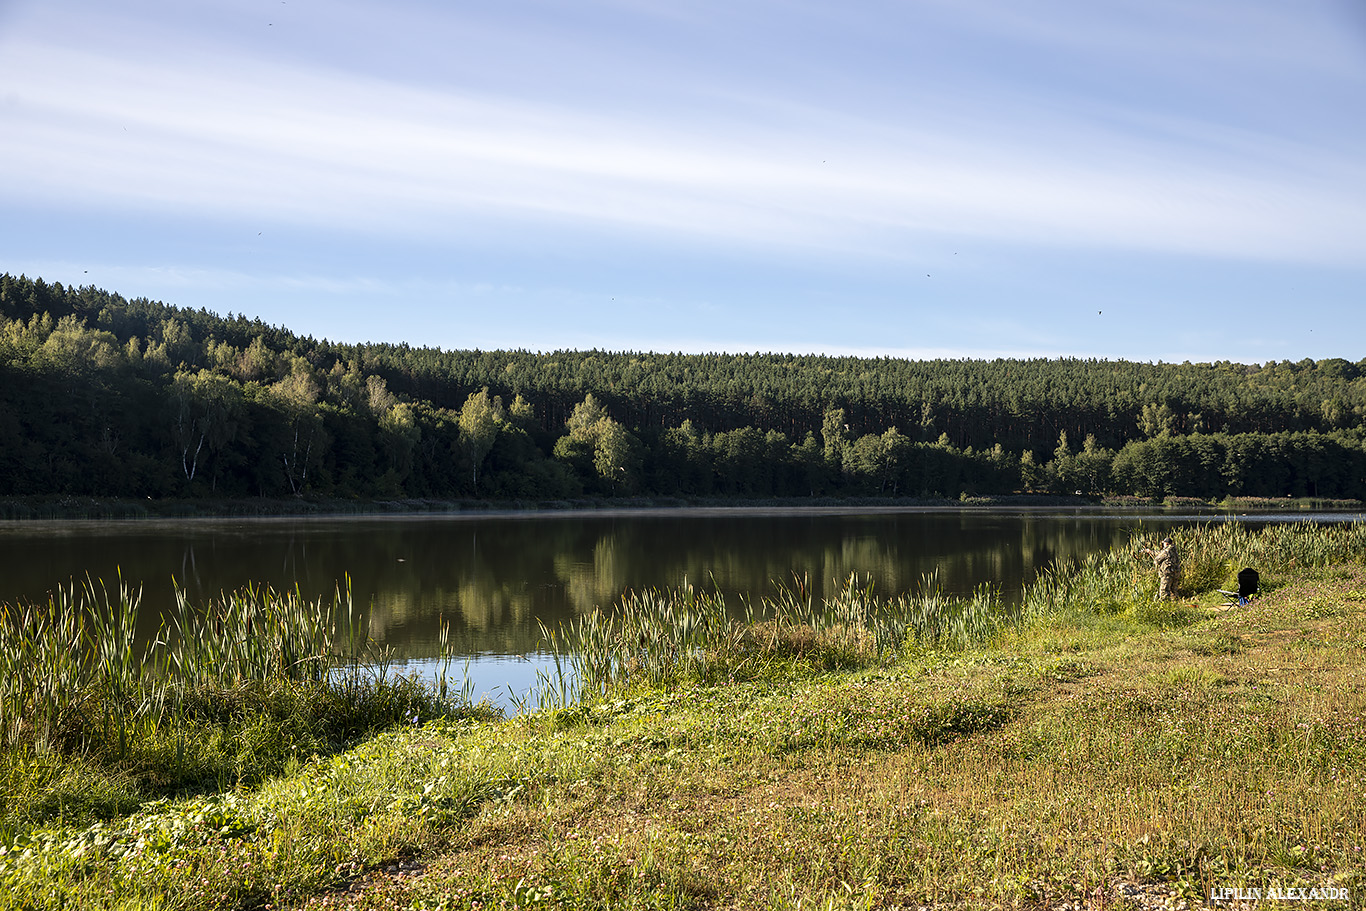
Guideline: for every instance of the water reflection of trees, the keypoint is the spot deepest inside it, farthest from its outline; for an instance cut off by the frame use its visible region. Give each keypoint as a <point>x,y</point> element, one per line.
<point>492,579</point>
<point>590,564</point>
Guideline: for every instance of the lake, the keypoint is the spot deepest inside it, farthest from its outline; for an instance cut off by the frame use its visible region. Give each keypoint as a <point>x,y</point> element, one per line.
<point>492,577</point>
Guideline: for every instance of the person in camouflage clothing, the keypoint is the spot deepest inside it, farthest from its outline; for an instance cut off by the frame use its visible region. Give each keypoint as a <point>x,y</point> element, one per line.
<point>1168,564</point>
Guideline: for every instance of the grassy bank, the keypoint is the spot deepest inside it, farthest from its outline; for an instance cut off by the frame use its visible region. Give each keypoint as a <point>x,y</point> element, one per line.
<point>1095,749</point>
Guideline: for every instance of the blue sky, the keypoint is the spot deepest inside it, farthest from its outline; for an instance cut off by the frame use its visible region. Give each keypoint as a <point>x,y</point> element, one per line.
<point>1148,180</point>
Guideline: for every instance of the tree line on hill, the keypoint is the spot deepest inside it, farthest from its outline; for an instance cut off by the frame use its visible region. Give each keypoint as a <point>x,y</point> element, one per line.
<point>100,395</point>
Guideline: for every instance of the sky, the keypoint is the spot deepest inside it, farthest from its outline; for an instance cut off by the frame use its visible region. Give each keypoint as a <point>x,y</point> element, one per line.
<point>1152,180</point>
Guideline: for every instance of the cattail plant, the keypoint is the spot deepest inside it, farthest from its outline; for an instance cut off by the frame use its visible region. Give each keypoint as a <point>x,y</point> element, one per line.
<point>75,676</point>
<point>658,636</point>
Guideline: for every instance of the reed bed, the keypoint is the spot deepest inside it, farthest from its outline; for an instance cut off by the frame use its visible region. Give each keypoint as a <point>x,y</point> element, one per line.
<point>71,662</point>
<point>664,636</point>
<point>251,665</point>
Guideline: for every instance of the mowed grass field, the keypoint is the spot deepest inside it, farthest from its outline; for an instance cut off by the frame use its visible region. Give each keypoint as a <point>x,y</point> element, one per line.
<point>1094,750</point>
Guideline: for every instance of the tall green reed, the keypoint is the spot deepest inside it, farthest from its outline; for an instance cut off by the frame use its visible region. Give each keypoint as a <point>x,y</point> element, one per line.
<point>445,689</point>
<point>660,636</point>
<point>69,668</point>
<point>74,674</point>
<point>258,633</point>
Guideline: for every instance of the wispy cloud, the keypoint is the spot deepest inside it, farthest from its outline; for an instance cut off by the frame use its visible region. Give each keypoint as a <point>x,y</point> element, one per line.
<point>310,146</point>
<point>717,175</point>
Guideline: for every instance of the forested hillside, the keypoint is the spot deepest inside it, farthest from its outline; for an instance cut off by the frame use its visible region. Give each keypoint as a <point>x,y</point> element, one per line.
<point>105,396</point>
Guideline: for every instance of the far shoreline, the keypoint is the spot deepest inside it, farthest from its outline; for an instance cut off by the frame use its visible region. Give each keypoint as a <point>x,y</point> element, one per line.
<point>22,509</point>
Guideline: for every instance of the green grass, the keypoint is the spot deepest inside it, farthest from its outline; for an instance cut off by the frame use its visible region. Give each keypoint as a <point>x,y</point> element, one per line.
<point>1090,750</point>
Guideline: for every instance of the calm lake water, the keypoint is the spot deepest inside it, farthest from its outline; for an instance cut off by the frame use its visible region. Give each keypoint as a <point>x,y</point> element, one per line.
<point>492,577</point>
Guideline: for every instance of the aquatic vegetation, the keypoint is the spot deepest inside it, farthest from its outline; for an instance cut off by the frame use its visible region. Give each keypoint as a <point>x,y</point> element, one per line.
<point>71,664</point>
<point>665,636</point>
<point>228,692</point>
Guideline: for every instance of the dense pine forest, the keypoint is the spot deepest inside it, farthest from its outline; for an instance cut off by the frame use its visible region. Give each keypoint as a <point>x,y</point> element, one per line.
<point>105,396</point>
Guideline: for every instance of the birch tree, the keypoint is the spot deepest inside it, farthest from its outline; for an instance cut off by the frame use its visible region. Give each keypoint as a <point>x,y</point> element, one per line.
<point>481,418</point>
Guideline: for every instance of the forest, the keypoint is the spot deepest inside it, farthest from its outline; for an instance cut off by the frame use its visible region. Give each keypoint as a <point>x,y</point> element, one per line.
<point>106,396</point>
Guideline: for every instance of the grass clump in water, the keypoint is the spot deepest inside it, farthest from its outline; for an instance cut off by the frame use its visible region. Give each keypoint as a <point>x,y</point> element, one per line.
<point>686,635</point>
